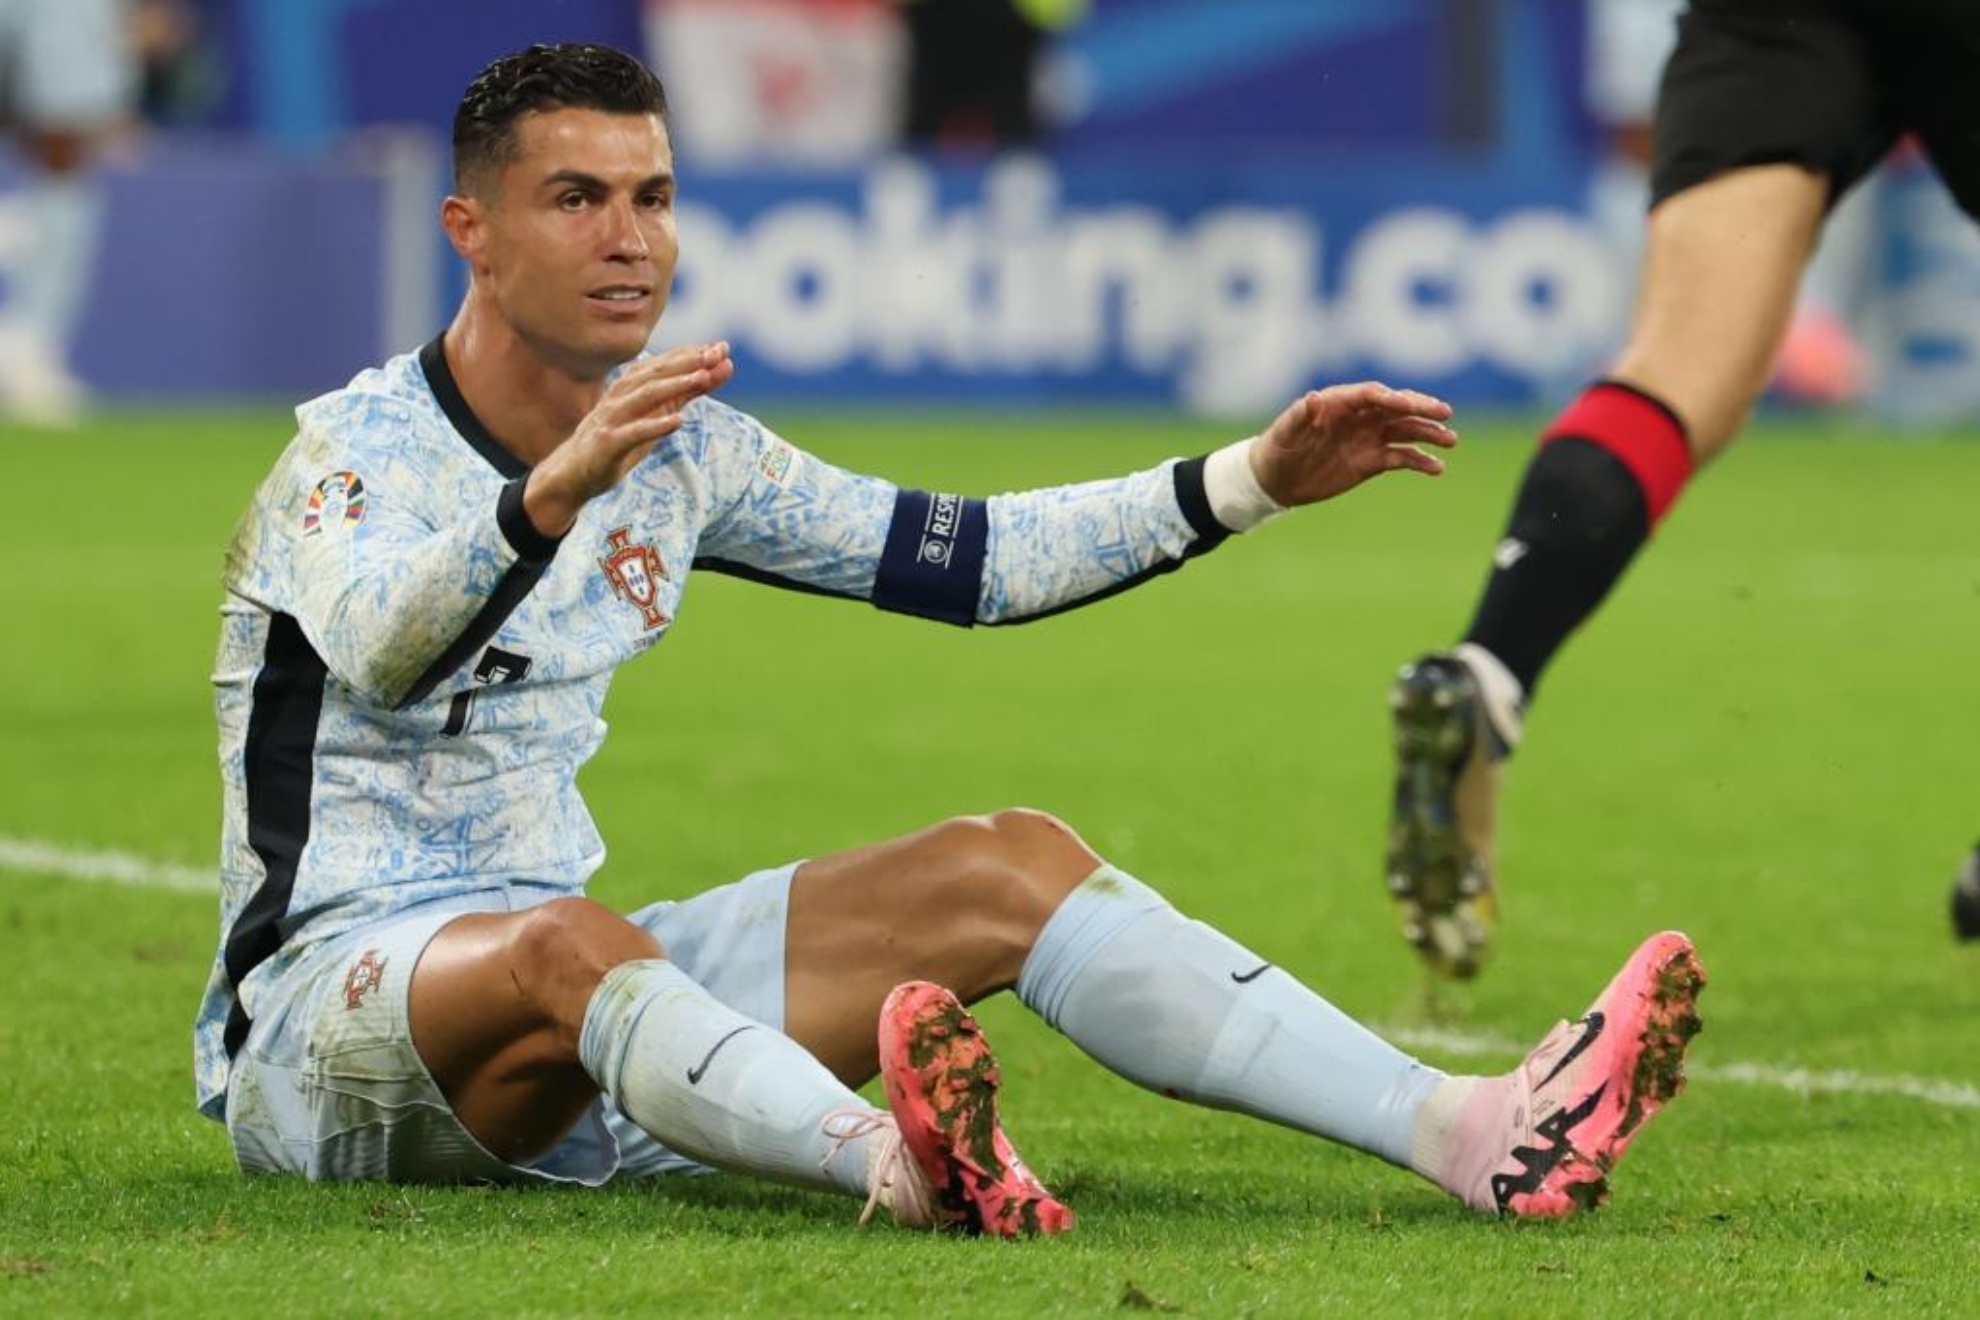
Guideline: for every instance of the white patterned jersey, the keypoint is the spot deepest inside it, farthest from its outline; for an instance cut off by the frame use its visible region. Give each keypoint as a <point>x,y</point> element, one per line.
<point>410,675</point>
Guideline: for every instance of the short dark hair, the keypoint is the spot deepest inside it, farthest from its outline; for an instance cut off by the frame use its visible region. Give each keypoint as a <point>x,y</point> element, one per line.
<point>564,77</point>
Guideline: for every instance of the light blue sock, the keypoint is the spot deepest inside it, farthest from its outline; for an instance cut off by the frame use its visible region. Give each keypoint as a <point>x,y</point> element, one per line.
<point>1177,1007</point>
<point>718,1087</point>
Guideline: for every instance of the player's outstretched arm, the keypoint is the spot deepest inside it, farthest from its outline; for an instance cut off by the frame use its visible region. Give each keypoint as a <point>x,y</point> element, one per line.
<point>1329,441</point>
<point>1033,553</point>
<point>639,410</point>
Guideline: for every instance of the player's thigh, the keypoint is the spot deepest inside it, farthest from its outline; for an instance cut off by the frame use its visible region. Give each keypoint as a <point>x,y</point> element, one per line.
<point>330,1085</point>
<point>1721,269</point>
<point>960,903</point>
<point>1768,111</point>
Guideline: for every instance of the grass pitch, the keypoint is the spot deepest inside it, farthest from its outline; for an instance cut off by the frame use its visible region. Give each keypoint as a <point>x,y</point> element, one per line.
<point>1762,740</point>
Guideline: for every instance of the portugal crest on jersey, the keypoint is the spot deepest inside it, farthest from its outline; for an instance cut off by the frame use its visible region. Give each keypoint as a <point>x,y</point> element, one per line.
<point>635,572</point>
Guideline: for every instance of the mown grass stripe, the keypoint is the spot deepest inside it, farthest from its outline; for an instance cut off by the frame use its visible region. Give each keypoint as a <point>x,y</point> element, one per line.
<point>39,857</point>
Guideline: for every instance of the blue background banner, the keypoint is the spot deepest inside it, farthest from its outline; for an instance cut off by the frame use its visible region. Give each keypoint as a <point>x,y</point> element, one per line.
<point>1245,197</point>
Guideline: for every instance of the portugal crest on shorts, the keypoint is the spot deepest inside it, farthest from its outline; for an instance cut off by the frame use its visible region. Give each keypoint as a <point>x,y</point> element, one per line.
<point>635,572</point>
<point>366,974</point>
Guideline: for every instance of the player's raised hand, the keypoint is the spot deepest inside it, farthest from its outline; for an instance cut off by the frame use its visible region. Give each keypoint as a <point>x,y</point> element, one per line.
<point>1329,441</point>
<point>639,409</point>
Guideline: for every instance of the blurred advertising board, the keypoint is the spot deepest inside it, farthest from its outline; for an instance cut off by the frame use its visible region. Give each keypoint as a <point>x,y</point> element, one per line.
<point>226,269</point>
<point>1211,285</point>
<point>1243,198</point>
<point>1028,280</point>
<point>224,272</point>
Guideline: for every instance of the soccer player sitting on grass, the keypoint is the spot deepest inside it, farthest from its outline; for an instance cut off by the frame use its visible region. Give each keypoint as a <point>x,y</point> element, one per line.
<point>425,604</point>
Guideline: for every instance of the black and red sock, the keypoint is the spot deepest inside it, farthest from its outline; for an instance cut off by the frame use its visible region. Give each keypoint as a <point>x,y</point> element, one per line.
<point>1608,471</point>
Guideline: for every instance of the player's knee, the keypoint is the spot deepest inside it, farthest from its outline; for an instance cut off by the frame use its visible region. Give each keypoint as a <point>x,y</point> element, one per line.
<point>1032,828</point>
<point>1017,864</point>
<point>570,943</point>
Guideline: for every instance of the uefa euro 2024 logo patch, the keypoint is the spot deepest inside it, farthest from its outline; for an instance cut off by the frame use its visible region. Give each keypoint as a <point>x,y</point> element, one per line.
<point>337,503</point>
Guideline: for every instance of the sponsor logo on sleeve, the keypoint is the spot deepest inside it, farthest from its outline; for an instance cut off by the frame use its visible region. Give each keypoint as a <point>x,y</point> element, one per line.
<point>337,504</point>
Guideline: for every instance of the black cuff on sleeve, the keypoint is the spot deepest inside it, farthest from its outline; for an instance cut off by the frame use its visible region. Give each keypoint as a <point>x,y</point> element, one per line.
<point>1195,504</point>
<point>521,533</point>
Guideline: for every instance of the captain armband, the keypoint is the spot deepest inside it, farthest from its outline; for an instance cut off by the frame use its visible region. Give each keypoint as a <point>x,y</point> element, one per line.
<point>932,563</point>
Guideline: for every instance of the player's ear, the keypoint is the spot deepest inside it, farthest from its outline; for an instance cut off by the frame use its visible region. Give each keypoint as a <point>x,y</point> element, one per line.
<point>466,222</point>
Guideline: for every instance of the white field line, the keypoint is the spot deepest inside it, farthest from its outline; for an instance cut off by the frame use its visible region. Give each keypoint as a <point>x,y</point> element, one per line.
<point>39,857</point>
<point>1939,1091</point>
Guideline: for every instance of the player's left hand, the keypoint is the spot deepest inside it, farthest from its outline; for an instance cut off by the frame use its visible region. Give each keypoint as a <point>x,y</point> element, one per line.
<point>1330,441</point>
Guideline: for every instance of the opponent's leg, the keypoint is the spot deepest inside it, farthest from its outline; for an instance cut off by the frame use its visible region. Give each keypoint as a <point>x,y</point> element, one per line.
<point>1966,898</point>
<point>1719,281</point>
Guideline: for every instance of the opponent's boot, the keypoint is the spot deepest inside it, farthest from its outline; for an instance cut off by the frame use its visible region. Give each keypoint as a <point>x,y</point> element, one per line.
<point>1966,898</point>
<point>941,1083</point>
<point>1451,738</point>
<point>1540,1141</point>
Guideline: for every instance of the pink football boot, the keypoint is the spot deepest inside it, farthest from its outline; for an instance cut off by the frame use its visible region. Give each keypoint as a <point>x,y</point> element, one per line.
<point>1541,1140</point>
<point>941,1083</point>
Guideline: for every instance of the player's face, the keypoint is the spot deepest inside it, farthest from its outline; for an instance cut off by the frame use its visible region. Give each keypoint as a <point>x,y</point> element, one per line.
<point>579,245</point>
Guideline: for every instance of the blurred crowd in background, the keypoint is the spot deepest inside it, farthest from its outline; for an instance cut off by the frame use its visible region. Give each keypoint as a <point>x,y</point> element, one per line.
<point>999,200</point>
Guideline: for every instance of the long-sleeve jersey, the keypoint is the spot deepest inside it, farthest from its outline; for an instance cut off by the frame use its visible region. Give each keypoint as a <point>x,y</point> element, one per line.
<point>410,675</point>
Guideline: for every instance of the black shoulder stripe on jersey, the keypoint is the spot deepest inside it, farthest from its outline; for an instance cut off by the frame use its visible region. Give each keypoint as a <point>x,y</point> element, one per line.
<point>519,581</point>
<point>750,573</point>
<point>440,378</point>
<point>1195,505</point>
<point>281,743</point>
<point>932,563</point>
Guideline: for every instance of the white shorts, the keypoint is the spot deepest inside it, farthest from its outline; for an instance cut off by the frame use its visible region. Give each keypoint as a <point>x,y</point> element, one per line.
<point>65,64</point>
<point>329,1085</point>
